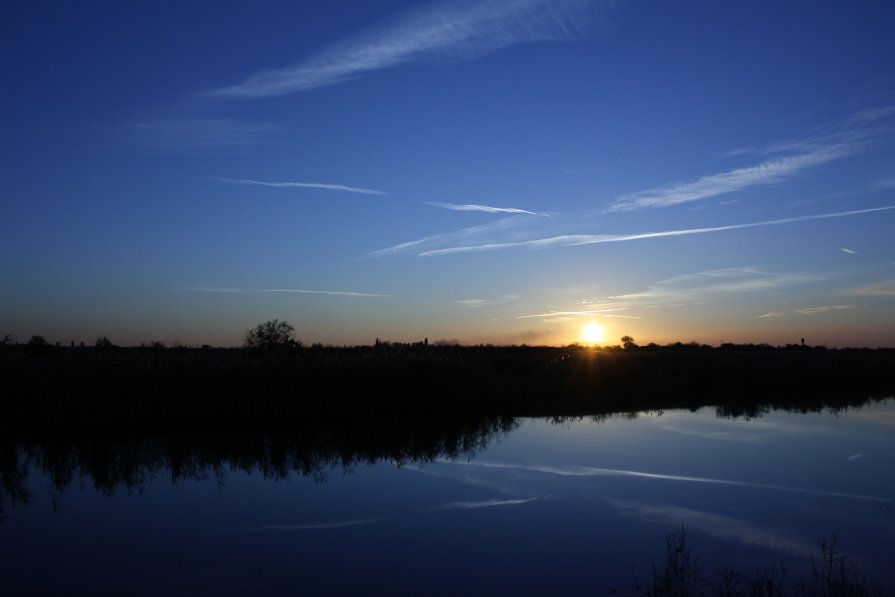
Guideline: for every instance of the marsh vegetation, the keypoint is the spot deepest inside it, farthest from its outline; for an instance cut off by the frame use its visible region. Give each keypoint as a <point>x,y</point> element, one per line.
<point>832,574</point>
<point>72,390</point>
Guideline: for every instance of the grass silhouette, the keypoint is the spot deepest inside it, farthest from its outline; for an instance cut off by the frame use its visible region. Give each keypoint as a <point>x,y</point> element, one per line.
<point>681,575</point>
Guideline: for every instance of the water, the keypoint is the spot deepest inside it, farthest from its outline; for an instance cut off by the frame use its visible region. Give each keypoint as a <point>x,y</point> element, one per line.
<point>573,507</point>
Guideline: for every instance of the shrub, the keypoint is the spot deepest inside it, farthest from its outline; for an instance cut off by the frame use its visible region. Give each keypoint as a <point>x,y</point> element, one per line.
<point>271,335</point>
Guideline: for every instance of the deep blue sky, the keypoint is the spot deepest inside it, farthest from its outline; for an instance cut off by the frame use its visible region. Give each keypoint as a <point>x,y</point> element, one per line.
<point>136,138</point>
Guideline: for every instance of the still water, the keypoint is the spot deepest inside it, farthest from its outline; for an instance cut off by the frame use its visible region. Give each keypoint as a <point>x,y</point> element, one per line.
<point>571,507</point>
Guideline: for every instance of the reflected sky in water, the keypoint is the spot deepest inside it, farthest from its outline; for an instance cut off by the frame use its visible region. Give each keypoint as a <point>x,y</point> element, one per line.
<point>576,507</point>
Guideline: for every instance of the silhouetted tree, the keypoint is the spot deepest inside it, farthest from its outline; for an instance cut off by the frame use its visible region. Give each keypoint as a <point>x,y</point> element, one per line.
<point>271,335</point>
<point>38,341</point>
<point>103,342</point>
<point>628,342</point>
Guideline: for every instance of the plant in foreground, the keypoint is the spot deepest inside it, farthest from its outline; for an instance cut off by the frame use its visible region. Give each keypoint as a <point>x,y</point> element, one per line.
<point>832,575</point>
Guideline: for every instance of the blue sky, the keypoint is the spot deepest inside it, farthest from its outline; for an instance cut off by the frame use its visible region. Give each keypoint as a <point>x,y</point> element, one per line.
<point>503,171</point>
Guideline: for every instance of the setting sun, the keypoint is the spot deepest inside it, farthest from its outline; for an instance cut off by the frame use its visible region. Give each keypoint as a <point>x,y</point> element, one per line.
<point>592,333</point>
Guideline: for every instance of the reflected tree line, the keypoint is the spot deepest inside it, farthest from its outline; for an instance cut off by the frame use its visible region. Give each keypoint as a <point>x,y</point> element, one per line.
<point>124,463</point>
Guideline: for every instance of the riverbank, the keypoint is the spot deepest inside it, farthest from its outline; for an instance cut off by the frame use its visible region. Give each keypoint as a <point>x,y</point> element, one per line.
<point>88,390</point>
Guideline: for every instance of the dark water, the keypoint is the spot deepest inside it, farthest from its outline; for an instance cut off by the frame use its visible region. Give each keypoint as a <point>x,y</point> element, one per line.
<point>573,507</point>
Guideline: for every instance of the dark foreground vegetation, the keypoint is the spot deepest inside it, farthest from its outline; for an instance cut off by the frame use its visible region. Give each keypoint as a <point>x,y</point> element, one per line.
<point>681,575</point>
<point>50,391</point>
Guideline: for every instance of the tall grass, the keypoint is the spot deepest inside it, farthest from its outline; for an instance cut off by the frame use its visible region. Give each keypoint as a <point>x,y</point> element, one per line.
<point>681,575</point>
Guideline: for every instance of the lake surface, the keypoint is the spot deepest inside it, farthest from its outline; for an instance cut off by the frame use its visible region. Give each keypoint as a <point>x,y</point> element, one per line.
<point>575,507</point>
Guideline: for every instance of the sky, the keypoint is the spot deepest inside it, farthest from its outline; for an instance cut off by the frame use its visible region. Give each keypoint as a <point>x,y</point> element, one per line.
<point>504,171</point>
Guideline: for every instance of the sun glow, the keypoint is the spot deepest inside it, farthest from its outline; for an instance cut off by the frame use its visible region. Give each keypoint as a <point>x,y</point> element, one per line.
<point>592,333</point>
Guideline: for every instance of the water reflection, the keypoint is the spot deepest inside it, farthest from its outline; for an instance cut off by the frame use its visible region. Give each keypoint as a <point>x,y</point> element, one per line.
<point>482,505</point>
<point>113,463</point>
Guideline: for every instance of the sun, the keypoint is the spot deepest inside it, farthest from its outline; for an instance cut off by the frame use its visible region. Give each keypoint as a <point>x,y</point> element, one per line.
<point>592,333</point>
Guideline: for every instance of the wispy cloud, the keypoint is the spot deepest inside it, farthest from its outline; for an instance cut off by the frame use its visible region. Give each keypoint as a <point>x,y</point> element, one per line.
<point>883,288</point>
<point>849,251</point>
<point>769,315</point>
<point>482,504</point>
<point>468,234</point>
<point>854,456</point>
<point>571,240</point>
<point>449,31</point>
<point>225,290</point>
<point>831,141</point>
<point>200,135</point>
<point>884,183</point>
<point>768,172</point>
<point>484,208</point>
<point>824,309</point>
<point>686,288</point>
<point>305,527</point>
<point>582,313</point>
<point>301,185</point>
<point>471,302</point>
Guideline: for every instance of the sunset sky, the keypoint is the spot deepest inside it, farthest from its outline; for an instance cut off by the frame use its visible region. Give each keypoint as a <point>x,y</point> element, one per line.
<point>501,171</point>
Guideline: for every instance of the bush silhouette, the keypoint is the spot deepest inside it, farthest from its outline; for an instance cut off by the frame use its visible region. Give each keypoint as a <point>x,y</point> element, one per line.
<point>271,335</point>
<point>38,341</point>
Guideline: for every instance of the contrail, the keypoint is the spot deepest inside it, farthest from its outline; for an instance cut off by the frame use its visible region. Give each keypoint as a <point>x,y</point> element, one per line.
<point>571,240</point>
<point>302,185</point>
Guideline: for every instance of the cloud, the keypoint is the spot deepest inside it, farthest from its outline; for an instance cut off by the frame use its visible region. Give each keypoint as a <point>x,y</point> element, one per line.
<point>854,456</point>
<point>884,288</point>
<point>768,172</point>
<point>571,240</point>
<point>200,135</point>
<point>769,315</point>
<point>471,302</point>
<point>305,527</point>
<point>686,288</point>
<point>825,309</point>
<point>867,116</point>
<point>468,234</point>
<point>302,185</point>
<point>485,208</point>
<point>449,31</point>
<point>884,183</point>
<point>849,251</point>
<point>584,313</point>
<point>829,142</point>
<point>225,290</point>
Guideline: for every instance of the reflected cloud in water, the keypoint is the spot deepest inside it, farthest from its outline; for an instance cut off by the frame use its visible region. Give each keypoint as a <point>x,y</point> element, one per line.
<point>484,504</point>
<point>305,527</point>
<point>587,471</point>
<point>716,525</point>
